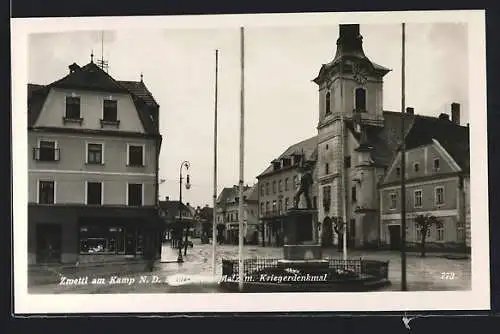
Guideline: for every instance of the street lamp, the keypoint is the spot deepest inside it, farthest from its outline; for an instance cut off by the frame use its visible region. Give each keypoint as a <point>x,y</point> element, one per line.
<point>184,164</point>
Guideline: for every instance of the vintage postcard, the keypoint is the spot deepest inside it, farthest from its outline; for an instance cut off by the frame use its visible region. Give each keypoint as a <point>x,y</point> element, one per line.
<point>250,163</point>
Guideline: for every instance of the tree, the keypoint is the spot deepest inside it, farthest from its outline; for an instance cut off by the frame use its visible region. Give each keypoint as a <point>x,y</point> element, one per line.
<point>423,225</point>
<point>338,227</point>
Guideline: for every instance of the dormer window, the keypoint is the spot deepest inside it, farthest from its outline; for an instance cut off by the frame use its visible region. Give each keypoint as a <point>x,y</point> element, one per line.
<point>286,162</point>
<point>72,113</point>
<point>360,100</point>
<point>328,103</point>
<point>296,159</point>
<point>109,112</point>
<point>398,171</point>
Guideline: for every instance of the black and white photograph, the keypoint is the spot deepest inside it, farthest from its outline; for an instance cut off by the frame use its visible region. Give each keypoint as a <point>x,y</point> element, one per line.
<point>278,162</point>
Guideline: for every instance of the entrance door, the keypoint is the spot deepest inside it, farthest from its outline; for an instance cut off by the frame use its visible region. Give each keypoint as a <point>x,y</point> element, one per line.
<point>130,242</point>
<point>327,232</point>
<point>48,243</point>
<point>395,237</point>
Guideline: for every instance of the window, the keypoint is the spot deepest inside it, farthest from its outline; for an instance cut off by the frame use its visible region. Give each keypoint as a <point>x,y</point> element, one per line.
<point>267,207</point>
<point>315,202</point>
<point>134,194</point>
<point>439,195</point>
<point>286,203</point>
<point>360,100</point>
<point>274,187</point>
<point>280,207</point>
<point>436,165</point>
<point>353,194</point>
<point>280,186</point>
<point>347,162</point>
<point>46,192</point>
<point>416,167</point>
<point>327,169</point>
<point>261,208</point>
<point>102,239</point>
<point>440,232</point>
<point>398,171</point>
<point>327,103</point>
<point>287,184</point>
<point>94,193</point>
<point>274,206</point>
<point>262,192</point>
<point>110,111</point>
<point>135,155</point>
<point>326,147</point>
<point>72,108</point>
<point>267,188</point>
<point>46,151</point>
<point>294,185</point>
<point>418,199</point>
<point>392,201</point>
<point>94,153</point>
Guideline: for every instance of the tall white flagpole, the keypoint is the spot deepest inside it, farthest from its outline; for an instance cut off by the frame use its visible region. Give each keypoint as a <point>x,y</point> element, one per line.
<point>342,164</point>
<point>214,223</point>
<point>242,147</point>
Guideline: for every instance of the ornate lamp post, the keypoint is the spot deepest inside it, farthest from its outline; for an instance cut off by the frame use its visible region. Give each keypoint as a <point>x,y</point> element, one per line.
<point>186,165</point>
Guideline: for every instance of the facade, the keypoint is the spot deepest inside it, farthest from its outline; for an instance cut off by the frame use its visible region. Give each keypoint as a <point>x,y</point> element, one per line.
<point>227,212</point>
<point>277,186</point>
<point>93,148</point>
<point>437,184</point>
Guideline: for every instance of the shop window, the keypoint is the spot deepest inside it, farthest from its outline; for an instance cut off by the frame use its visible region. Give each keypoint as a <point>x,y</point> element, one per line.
<point>102,240</point>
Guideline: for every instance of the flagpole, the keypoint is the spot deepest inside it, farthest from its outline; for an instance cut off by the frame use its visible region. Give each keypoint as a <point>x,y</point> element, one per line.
<point>214,216</point>
<point>342,164</point>
<point>242,147</point>
<point>403,164</point>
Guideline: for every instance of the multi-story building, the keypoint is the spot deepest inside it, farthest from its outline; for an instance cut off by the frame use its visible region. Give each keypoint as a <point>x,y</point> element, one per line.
<point>277,185</point>
<point>175,215</point>
<point>227,212</point>
<point>436,183</point>
<point>93,149</point>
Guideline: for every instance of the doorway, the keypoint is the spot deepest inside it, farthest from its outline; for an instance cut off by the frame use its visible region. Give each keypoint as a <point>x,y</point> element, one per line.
<point>395,237</point>
<point>327,232</point>
<point>48,243</point>
<point>130,242</point>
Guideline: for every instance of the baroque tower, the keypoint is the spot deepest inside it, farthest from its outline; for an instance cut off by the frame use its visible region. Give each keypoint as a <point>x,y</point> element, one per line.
<point>350,101</point>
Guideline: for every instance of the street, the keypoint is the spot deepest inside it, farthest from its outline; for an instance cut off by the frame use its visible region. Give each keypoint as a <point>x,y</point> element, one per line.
<point>432,273</point>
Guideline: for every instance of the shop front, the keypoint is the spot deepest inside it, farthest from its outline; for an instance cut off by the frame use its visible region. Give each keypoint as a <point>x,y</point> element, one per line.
<point>71,234</point>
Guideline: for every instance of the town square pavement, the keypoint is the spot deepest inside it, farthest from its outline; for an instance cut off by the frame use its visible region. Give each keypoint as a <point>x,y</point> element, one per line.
<point>435,272</point>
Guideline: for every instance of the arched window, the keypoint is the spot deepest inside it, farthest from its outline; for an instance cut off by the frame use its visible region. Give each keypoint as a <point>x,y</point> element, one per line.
<point>360,100</point>
<point>327,103</point>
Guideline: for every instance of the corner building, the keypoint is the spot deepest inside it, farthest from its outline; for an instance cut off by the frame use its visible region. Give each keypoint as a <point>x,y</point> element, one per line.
<point>93,150</point>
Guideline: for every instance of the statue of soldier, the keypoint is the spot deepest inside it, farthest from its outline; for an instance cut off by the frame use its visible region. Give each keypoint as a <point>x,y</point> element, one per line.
<point>304,187</point>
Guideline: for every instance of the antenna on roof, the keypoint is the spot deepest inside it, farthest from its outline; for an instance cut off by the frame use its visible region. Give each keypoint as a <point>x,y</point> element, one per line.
<point>103,64</point>
<point>141,76</point>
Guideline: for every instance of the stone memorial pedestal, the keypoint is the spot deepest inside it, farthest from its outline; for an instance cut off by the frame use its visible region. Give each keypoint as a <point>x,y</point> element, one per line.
<point>300,251</point>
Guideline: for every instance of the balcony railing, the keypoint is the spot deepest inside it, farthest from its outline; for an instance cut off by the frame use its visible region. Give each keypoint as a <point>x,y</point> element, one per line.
<point>46,154</point>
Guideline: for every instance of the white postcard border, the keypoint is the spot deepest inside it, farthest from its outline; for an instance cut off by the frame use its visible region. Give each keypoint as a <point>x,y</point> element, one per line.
<point>476,299</point>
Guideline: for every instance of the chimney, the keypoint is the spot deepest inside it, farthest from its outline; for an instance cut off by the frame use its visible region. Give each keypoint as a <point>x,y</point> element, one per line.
<point>410,110</point>
<point>444,117</point>
<point>455,113</point>
<point>187,204</point>
<point>167,198</point>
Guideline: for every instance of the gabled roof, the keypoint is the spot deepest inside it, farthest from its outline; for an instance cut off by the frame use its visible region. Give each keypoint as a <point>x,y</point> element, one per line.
<point>454,138</point>
<point>229,195</point>
<point>92,77</point>
<point>309,147</point>
<point>171,208</point>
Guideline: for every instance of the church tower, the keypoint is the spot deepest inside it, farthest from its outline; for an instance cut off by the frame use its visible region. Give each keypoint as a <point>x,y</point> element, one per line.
<point>350,98</point>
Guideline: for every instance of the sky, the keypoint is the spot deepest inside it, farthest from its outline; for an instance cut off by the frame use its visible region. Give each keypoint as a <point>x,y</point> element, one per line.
<point>281,101</point>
